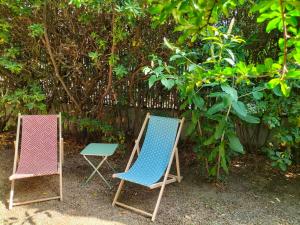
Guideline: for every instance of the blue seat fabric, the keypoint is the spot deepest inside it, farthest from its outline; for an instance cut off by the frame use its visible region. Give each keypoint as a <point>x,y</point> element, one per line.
<point>155,152</point>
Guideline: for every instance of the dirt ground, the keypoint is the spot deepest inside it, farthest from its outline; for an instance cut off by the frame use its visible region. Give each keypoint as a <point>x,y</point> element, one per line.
<point>252,194</point>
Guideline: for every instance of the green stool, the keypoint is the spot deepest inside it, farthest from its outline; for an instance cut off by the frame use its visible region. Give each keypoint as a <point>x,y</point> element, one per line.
<point>102,150</point>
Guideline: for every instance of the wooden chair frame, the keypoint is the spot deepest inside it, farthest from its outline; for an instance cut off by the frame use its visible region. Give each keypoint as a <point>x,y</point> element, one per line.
<point>167,178</point>
<point>16,159</point>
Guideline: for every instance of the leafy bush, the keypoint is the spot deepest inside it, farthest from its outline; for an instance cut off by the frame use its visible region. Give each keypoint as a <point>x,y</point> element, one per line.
<point>29,100</point>
<point>102,129</point>
<point>218,88</point>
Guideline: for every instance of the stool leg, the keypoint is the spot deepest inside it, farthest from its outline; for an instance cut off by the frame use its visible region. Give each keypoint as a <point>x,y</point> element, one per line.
<point>110,166</point>
<point>95,168</point>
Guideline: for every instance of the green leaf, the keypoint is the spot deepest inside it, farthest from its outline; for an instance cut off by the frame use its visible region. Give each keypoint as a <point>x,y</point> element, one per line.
<point>230,61</point>
<point>217,94</point>
<point>285,89</point>
<point>169,45</point>
<point>198,101</point>
<point>261,68</point>
<point>231,91</point>
<point>250,119</point>
<point>273,24</point>
<point>220,129</point>
<point>273,83</point>
<point>147,70</point>
<point>152,80</point>
<point>174,57</point>
<point>190,129</point>
<point>30,105</point>
<point>235,144</point>
<point>268,63</point>
<point>215,108</point>
<point>213,154</point>
<point>281,43</point>
<point>209,141</point>
<point>231,54</point>
<point>93,55</point>
<point>36,30</point>
<point>168,83</point>
<point>213,171</point>
<point>295,74</point>
<point>282,166</point>
<point>240,108</point>
<point>277,91</point>
<point>257,95</point>
<point>223,157</point>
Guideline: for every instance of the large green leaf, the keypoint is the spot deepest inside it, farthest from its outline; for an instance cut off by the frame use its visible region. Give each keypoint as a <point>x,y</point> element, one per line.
<point>250,119</point>
<point>257,95</point>
<point>240,108</point>
<point>235,144</point>
<point>231,91</point>
<point>198,101</point>
<point>209,141</point>
<point>190,129</point>
<point>285,89</point>
<point>293,74</point>
<point>152,80</point>
<point>230,61</point>
<point>268,63</point>
<point>277,91</point>
<point>168,83</point>
<point>220,129</point>
<point>273,83</point>
<point>213,154</point>
<point>217,94</point>
<point>273,24</point>
<point>223,157</point>
<point>215,108</point>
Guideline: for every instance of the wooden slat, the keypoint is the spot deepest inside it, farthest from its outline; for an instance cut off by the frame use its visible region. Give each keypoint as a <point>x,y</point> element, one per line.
<point>159,184</point>
<point>134,209</point>
<point>37,200</point>
<point>178,178</point>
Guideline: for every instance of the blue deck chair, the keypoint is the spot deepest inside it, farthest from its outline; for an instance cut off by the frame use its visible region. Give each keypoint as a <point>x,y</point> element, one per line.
<point>154,159</point>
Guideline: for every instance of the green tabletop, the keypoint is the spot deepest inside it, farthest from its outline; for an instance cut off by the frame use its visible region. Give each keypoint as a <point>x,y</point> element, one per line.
<point>99,149</point>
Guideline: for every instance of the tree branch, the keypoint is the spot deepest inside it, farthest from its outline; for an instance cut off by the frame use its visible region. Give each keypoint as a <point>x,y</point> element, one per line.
<point>46,42</point>
<point>285,35</point>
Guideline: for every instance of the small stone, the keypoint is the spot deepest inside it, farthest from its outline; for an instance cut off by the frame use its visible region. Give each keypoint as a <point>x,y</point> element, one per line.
<point>187,217</point>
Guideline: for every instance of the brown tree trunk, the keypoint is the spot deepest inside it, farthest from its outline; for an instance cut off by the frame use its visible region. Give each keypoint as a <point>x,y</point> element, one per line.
<point>110,71</point>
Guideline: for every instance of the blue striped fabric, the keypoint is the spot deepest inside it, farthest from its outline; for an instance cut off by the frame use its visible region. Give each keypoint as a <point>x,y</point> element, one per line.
<point>155,153</point>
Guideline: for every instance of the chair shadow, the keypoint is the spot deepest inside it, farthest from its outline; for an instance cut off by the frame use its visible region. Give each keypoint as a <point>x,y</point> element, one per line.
<point>28,218</point>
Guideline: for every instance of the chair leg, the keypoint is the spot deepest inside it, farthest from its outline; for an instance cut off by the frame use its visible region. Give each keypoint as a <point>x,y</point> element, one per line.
<point>11,198</point>
<point>158,202</point>
<point>60,186</point>
<point>177,166</point>
<point>118,192</point>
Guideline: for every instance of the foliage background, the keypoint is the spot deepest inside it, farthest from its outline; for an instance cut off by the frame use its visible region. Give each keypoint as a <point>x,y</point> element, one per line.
<point>92,59</point>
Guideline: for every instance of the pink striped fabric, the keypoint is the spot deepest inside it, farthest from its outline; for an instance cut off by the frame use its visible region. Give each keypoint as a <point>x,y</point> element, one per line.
<point>39,142</point>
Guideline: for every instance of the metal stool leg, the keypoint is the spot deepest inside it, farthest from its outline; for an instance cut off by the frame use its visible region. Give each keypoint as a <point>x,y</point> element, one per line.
<point>110,166</point>
<point>96,170</point>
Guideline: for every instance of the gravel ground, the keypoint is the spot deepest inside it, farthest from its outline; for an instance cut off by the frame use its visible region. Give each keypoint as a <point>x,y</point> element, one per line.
<point>252,194</point>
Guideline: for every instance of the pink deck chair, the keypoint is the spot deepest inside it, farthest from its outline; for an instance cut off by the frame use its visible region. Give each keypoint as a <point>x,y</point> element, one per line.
<point>41,138</point>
